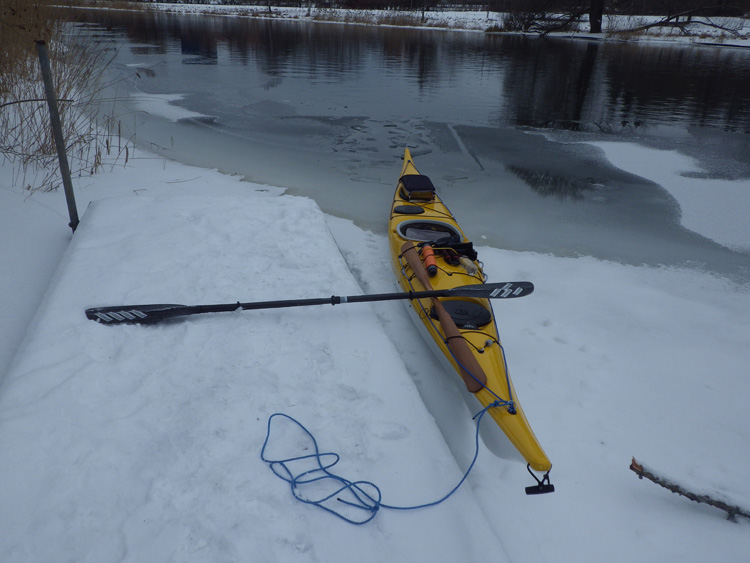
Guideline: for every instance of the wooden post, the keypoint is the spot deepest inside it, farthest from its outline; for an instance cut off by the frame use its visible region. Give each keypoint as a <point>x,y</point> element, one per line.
<point>54,114</point>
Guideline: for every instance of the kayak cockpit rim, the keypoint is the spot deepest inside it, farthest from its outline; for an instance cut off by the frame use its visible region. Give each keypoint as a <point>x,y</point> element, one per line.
<point>428,230</point>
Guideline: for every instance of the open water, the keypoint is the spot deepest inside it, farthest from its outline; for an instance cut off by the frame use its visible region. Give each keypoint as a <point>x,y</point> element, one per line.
<point>499,122</point>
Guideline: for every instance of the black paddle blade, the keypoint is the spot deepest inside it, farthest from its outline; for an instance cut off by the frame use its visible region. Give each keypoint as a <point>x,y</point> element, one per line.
<point>136,314</point>
<point>502,290</point>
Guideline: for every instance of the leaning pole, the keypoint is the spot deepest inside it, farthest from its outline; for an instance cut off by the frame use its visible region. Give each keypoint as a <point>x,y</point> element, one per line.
<point>54,114</point>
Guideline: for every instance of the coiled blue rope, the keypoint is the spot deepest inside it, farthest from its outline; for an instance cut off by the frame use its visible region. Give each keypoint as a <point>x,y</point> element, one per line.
<point>356,502</point>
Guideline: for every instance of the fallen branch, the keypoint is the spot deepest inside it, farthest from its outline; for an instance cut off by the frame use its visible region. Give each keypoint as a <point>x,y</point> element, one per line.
<point>559,24</point>
<point>732,511</point>
<point>674,21</point>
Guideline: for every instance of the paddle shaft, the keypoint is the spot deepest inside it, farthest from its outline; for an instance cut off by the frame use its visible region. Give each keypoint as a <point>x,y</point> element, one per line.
<point>149,314</point>
<point>332,300</point>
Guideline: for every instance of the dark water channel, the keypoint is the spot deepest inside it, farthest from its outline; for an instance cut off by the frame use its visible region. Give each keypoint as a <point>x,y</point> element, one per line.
<point>499,122</point>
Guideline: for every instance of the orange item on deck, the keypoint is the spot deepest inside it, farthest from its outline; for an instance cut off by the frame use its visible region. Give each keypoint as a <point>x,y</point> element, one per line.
<point>428,257</point>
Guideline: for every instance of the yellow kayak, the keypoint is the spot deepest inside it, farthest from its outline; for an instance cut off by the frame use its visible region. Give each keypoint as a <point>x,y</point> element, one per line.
<point>429,251</point>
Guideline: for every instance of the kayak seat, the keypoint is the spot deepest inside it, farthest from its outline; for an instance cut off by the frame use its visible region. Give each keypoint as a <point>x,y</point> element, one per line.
<point>466,314</point>
<point>416,186</point>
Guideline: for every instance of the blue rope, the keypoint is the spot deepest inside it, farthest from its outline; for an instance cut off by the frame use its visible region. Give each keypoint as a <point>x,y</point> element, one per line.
<point>356,502</point>
<point>509,404</point>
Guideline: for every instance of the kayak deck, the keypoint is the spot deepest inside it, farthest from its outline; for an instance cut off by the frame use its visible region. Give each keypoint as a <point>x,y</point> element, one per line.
<point>430,251</point>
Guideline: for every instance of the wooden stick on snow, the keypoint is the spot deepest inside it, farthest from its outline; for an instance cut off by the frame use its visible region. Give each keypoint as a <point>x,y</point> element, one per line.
<point>732,511</point>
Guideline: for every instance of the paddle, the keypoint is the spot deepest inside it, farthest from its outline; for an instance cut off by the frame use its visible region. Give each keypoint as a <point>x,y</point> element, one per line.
<point>470,370</point>
<point>150,314</point>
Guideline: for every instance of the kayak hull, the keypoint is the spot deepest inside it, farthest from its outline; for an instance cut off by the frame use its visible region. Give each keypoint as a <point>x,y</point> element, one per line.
<point>420,224</point>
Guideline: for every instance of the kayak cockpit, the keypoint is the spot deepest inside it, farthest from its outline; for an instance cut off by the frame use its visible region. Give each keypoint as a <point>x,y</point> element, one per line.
<point>428,231</point>
<point>466,313</point>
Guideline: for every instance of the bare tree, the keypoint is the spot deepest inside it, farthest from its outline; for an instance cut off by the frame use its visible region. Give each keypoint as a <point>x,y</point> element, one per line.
<point>596,12</point>
<point>547,16</point>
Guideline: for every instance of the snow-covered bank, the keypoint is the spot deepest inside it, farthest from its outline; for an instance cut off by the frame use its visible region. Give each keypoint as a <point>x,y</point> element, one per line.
<point>35,228</point>
<point>143,443</point>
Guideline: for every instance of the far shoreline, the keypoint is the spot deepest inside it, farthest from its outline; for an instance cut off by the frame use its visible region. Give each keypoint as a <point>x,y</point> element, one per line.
<point>478,21</point>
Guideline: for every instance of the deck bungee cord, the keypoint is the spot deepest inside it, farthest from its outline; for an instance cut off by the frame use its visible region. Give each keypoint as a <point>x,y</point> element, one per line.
<point>355,502</point>
<point>423,205</point>
<point>499,401</point>
<point>543,485</point>
<point>455,253</point>
<point>468,317</point>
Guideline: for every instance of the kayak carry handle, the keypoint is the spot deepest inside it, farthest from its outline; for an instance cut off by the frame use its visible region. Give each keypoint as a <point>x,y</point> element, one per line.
<point>542,486</point>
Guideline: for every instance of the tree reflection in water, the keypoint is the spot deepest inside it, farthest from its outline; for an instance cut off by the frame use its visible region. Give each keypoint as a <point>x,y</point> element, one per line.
<point>546,83</point>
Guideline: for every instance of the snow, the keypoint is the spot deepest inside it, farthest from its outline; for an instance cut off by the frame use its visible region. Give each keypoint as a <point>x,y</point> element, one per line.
<point>714,208</point>
<point>143,443</point>
<point>135,443</point>
<point>161,105</point>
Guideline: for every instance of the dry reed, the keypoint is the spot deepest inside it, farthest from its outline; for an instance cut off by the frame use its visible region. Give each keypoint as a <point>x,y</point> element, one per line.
<point>25,135</point>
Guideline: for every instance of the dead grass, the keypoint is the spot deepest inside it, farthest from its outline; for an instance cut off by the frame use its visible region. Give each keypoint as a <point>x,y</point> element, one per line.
<point>25,135</point>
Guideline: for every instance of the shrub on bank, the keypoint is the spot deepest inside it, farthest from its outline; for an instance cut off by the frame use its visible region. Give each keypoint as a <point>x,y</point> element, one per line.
<point>25,133</point>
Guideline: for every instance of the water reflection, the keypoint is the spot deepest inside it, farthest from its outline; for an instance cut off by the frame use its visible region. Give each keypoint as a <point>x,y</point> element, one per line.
<point>551,87</point>
<point>325,110</point>
<point>205,50</point>
<point>546,83</point>
<point>609,87</point>
<point>547,183</point>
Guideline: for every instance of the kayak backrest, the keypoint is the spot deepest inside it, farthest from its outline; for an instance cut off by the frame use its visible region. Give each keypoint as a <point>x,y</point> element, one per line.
<point>416,186</point>
<point>457,247</point>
